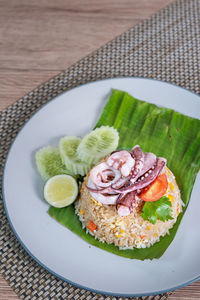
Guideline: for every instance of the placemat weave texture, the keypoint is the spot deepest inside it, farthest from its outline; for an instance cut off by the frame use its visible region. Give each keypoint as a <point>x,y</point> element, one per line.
<point>163,47</point>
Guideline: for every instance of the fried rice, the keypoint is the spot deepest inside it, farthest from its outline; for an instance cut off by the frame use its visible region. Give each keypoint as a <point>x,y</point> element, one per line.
<point>126,232</point>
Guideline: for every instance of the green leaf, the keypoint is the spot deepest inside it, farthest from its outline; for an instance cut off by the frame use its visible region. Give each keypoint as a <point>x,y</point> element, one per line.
<point>156,129</point>
<point>161,209</point>
<point>151,217</point>
<point>149,213</point>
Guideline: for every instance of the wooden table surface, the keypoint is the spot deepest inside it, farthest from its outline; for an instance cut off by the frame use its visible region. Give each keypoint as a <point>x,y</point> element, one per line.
<point>40,38</point>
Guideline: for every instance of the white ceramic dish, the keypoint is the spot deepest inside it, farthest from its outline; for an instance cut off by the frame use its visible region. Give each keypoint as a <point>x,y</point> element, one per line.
<point>58,249</point>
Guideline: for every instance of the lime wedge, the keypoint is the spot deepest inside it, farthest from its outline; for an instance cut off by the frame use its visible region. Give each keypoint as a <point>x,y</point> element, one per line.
<point>60,190</point>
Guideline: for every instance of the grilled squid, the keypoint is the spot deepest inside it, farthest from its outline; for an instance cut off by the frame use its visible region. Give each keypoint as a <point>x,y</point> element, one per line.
<point>121,177</point>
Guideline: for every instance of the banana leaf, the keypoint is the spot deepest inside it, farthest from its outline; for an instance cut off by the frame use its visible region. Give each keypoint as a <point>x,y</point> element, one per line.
<point>156,129</point>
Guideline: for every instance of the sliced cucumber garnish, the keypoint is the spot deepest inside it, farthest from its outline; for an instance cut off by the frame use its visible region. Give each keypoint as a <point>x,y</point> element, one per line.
<point>97,144</point>
<point>49,162</point>
<point>68,150</point>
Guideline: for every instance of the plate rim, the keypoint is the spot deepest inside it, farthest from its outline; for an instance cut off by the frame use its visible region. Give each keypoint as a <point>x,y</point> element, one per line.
<point>32,255</point>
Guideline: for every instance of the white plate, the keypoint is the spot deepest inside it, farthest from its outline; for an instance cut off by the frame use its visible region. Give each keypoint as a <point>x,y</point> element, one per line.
<point>58,249</point>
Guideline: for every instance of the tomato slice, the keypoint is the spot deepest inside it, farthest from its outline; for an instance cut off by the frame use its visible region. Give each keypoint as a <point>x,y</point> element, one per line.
<point>156,189</point>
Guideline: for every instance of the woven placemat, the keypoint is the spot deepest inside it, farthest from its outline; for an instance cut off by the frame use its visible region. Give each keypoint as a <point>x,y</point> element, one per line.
<point>163,47</point>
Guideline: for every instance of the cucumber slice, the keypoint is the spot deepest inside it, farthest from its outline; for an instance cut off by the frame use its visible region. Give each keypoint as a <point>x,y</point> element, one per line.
<point>97,144</point>
<point>68,150</point>
<point>49,163</point>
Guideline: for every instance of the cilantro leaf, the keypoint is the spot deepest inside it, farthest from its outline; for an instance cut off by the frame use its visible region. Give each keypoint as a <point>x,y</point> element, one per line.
<point>148,213</point>
<point>160,209</point>
<point>164,210</point>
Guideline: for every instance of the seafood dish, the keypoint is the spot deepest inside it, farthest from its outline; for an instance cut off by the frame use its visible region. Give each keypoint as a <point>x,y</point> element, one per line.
<point>115,193</point>
<point>134,174</point>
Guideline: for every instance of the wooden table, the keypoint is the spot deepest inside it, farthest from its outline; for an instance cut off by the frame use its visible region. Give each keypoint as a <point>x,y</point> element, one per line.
<point>40,38</point>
